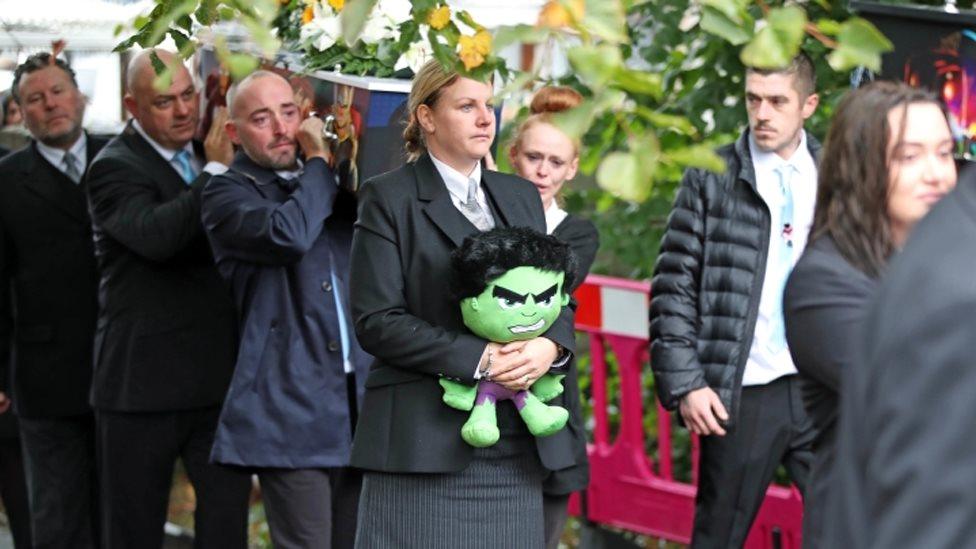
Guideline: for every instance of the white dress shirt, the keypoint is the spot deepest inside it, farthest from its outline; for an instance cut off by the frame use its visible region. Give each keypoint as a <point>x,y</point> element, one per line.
<point>554,216</point>
<point>56,156</point>
<point>212,167</point>
<point>763,365</point>
<point>457,184</point>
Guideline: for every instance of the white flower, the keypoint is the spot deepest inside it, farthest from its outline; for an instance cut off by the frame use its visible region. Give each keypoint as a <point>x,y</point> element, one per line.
<point>416,55</point>
<point>397,10</point>
<point>378,27</point>
<point>323,31</point>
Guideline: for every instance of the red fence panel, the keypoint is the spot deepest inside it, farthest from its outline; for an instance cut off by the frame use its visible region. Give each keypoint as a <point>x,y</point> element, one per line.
<point>628,488</point>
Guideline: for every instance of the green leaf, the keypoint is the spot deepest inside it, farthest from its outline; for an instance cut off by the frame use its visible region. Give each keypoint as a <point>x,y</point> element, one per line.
<point>260,33</point>
<point>574,122</point>
<point>525,34</point>
<point>179,38</point>
<point>519,82</point>
<point>733,10</point>
<point>353,17</point>
<point>139,22</point>
<point>776,44</point>
<point>466,18</point>
<point>666,121</point>
<point>185,22</point>
<point>698,156</point>
<point>164,73</point>
<point>860,43</point>
<point>639,82</point>
<point>621,174</point>
<point>227,13</point>
<point>596,64</point>
<point>829,27</point>
<point>157,64</point>
<point>606,19</point>
<point>241,65</point>
<point>206,14</point>
<point>720,25</point>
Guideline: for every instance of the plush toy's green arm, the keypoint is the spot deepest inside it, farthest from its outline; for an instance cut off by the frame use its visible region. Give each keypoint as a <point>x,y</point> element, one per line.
<point>458,395</point>
<point>548,387</point>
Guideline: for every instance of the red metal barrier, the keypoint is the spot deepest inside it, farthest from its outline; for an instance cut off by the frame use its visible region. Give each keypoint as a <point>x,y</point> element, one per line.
<point>629,489</point>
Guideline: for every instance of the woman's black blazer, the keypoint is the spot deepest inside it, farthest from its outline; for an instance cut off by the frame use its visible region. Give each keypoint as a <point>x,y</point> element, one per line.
<point>406,317</point>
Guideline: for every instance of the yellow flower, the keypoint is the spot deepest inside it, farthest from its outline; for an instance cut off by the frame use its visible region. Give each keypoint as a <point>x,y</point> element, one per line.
<point>439,18</point>
<point>474,49</point>
<point>307,15</point>
<point>337,4</point>
<point>561,13</point>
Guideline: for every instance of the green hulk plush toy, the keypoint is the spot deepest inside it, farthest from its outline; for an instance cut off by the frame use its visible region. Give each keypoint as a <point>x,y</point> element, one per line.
<point>511,283</point>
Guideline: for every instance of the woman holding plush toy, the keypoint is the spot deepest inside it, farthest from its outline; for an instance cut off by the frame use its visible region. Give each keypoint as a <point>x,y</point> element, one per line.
<point>548,158</point>
<point>424,486</point>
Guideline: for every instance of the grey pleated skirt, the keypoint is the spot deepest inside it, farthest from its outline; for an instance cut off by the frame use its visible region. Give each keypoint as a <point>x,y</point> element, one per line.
<point>495,502</point>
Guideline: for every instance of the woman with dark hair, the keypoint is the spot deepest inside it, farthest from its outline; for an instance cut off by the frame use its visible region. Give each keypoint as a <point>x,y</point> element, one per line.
<point>887,160</point>
<point>423,485</point>
<point>548,158</point>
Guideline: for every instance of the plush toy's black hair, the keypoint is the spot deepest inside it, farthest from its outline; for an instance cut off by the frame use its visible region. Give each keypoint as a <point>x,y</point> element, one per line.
<point>486,256</point>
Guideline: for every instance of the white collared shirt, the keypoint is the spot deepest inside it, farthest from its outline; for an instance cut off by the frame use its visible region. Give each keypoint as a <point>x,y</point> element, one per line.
<point>764,366</point>
<point>56,156</point>
<point>554,216</point>
<point>212,167</point>
<point>457,184</point>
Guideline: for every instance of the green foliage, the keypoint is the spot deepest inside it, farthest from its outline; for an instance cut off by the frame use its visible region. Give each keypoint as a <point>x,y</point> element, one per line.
<point>700,107</point>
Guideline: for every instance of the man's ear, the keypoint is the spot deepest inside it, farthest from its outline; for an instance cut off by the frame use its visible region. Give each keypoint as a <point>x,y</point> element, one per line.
<point>230,127</point>
<point>565,300</point>
<point>129,102</point>
<point>474,303</point>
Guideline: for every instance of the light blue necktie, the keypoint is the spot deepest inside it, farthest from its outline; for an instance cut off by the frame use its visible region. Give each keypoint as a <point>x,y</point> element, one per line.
<point>783,258</point>
<point>186,169</point>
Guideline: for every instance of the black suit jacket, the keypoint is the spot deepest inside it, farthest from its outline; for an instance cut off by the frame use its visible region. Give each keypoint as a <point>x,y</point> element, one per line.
<point>584,240</point>
<point>166,337</point>
<point>824,304</point>
<point>406,318</point>
<point>49,284</point>
<point>906,444</point>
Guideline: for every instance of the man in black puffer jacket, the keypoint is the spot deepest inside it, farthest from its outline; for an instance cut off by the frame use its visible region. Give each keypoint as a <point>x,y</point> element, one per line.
<point>718,349</point>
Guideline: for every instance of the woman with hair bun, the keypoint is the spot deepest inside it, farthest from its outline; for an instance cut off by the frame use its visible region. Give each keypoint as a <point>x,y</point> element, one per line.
<point>548,158</point>
<point>423,485</point>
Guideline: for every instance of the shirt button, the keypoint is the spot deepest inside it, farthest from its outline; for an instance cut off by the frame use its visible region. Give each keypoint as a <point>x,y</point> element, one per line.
<point>333,346</point>
<point>326,286</point>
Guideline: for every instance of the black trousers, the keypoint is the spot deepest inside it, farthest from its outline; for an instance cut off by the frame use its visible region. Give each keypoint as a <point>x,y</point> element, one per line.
<point>13,490</point>
<point>772,428</point>
<point>59,464</point>
<point>311,507</point>
<point>136,455</point>
<point>555,511</point>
